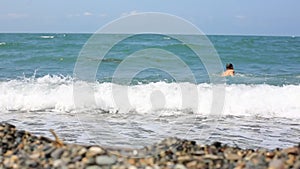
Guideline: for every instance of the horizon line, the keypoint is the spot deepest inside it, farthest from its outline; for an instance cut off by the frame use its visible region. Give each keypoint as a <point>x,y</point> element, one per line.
<point>209,34</point>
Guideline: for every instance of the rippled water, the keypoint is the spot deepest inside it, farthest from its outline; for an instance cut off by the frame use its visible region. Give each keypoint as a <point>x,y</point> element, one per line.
<point>134,130</point>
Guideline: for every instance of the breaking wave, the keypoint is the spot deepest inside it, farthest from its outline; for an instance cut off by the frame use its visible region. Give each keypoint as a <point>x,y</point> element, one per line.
<point>55,93</point>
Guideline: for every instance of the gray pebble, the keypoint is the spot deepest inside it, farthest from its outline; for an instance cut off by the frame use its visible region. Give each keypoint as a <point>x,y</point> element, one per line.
<point>57,153</point>
<point>93,167</point>
<point>106,160</point>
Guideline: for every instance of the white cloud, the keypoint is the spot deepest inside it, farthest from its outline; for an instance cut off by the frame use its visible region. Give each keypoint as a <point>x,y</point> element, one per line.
<point>87,14</point>
<point>79,15</point>
<point>129,13</point>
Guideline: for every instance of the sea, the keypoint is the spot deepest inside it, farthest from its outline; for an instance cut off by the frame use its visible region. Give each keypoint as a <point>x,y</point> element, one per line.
<point>260,107</point>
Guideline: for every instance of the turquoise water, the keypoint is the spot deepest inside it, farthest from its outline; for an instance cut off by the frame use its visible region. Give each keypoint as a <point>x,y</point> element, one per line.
<point>257,59</point>
<point>261,101</point>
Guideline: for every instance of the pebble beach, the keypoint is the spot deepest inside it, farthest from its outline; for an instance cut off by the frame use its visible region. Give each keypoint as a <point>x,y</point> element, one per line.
<point>21,149</point>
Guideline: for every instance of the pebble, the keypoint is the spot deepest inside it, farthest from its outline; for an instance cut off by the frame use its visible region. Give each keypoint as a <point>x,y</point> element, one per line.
<point>191,164</point>
<point>20,149</point>
<point>132,167</point>
<point>57,153</point>
<point>213,157</point>
<point>92,151</point>
<point>31,163</point>
<point>57,163</point>
<point>93,167</point>
<point>86,160</point>
<point>35,156</point>
<point>82,151</point>
<point>179,166</point>
<point>276,164</point>
<point>106,160</point>
<point>232,157</point>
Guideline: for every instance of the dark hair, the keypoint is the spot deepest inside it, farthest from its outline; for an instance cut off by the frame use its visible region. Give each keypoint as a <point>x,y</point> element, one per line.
<point>229,66</point>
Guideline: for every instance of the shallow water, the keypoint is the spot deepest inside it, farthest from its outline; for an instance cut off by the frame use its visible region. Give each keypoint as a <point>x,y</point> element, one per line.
<point>135,130</point>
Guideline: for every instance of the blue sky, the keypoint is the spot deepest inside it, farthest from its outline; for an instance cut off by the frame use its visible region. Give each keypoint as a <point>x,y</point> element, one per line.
<point>252,17</point>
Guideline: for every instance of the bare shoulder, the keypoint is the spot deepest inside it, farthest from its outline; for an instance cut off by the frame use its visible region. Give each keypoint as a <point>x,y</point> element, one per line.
<point>228,73</point>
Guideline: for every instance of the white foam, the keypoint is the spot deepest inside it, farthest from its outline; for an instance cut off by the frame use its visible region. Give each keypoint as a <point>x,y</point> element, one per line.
<point>263,100</point>
<point>2,43</point>
<point>56,93</point>
<point>47,37</point>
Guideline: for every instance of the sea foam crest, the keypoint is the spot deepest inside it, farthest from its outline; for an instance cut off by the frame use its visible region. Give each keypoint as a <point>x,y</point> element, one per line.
<point>55,93</point>
<point>47,37</point>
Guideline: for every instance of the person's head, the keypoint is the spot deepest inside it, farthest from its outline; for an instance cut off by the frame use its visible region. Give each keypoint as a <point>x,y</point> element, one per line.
<point>229,66</point>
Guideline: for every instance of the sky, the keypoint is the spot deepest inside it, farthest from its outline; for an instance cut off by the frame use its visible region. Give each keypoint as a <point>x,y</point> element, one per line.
<point>221,17</point>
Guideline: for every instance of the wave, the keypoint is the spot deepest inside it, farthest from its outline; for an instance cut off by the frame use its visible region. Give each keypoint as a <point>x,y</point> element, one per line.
<point>55,93</point>
<point>47,37</point>
<point>2,43</point>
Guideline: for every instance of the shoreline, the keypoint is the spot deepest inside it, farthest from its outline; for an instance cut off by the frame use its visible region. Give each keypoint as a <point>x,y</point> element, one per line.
<point>21,149</point>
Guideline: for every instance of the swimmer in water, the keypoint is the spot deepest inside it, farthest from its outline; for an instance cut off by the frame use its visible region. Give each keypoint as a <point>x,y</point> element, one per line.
<point>229,70</point>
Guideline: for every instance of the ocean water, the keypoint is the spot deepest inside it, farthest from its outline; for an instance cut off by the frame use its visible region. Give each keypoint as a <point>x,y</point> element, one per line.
<point>261,105</point>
